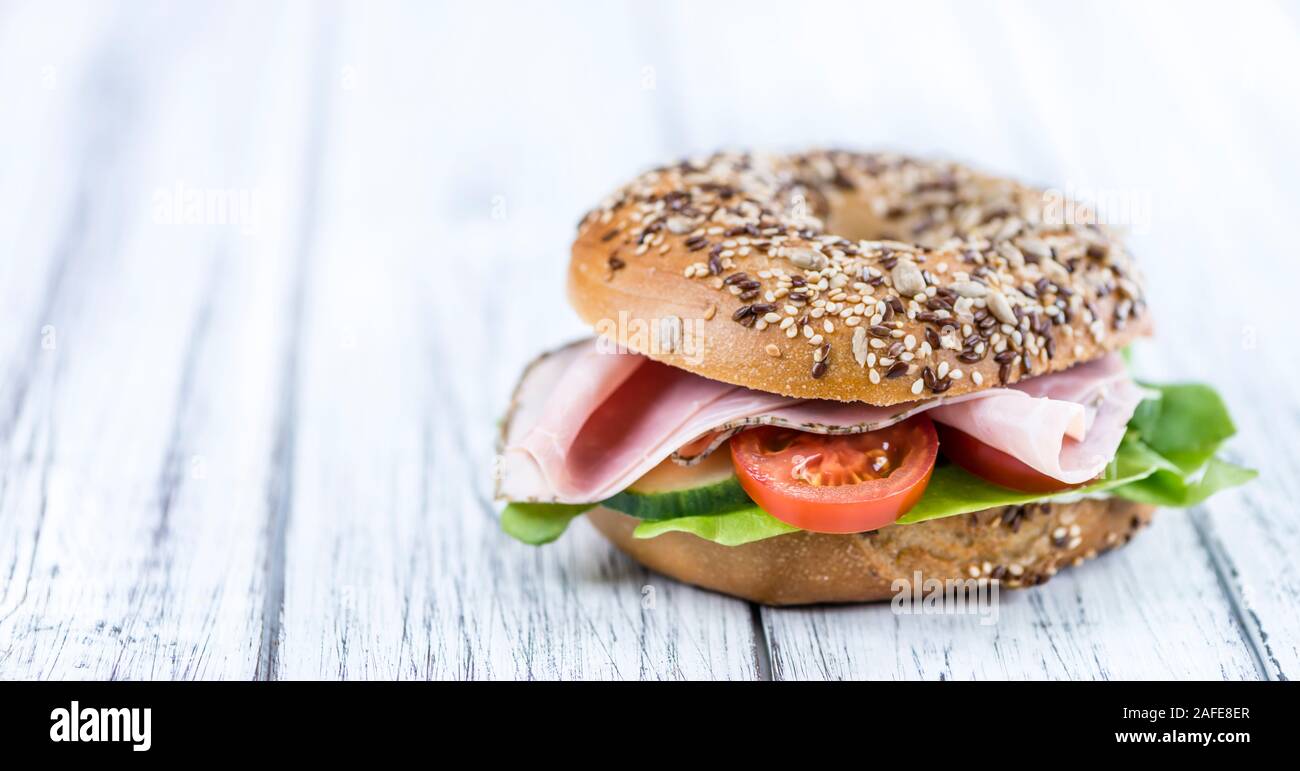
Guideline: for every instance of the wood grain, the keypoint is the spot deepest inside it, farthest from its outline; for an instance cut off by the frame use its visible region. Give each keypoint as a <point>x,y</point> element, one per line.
<point>138,446</point>
<point>262,449</point>
<point>1054,136</point>
<point>395,565</point>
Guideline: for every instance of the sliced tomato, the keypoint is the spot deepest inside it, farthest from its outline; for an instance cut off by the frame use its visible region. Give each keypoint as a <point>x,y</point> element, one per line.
<point>994,465</point>
<point>836,484</point>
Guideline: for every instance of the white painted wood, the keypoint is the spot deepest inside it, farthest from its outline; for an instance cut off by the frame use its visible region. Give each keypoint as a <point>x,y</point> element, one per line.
<point>1113,98</point>
<point>434,279</point>
<point>1232,330</point>
<point>266,454</point>
<point>1217,145</point>
<point>137,456</point>
<point>1126,615</point>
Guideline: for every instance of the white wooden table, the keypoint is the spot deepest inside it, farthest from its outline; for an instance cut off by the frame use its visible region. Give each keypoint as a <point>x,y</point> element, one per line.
<point>268,273</point>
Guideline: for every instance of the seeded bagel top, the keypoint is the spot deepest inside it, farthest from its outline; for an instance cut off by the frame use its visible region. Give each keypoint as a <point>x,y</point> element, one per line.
<point>856,277</point>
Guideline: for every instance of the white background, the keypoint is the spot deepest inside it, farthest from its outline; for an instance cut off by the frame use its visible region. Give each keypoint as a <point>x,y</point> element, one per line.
<point>263,449</point>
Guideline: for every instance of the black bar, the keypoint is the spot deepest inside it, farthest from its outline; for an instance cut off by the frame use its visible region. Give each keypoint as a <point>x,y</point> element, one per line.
<point>234,718</point>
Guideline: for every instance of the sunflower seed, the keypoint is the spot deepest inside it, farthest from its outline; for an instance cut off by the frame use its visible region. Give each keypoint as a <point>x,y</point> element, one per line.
<point>1035,246</point>
<point>907,278</point>
<point>1001,308</point>
<point>680,225</point>
<point>808,259</point>
<point>860,346</point>
<point>1009,229</point>
<point>1055,271</point>
<point>970,288</point>
<point>1012,255</point>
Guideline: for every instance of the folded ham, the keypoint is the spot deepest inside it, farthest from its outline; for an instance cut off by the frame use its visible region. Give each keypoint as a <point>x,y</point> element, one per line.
<point>586,424</point>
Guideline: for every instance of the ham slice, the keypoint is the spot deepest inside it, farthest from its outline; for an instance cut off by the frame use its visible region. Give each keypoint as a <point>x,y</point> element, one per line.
<point>584,425</point>
<point>1066,425</point>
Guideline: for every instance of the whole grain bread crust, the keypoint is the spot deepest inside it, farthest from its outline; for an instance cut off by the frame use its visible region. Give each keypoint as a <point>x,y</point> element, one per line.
<point>1017,545</point>
<point>856,277</point>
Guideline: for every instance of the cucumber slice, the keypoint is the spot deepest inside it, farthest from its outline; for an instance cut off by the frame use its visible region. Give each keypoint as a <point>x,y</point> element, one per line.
<point>670,490</point>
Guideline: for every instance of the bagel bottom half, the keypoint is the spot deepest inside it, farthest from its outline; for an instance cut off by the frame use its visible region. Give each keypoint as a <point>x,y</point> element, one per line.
<point>1019,545</point>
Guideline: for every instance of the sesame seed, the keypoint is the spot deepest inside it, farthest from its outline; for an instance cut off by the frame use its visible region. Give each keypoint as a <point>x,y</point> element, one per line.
<point>1003,278</point>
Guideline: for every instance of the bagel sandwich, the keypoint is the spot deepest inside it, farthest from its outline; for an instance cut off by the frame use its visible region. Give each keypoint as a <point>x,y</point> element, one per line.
<point>815,375</point>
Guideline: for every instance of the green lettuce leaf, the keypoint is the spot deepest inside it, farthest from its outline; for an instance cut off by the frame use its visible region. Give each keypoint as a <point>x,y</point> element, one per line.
<point>953,490</point>
<point>1167,459</point>
<point>731,529</point>
<point>539,523</point>
<point>1187,424</point>
<point>1164,488</point>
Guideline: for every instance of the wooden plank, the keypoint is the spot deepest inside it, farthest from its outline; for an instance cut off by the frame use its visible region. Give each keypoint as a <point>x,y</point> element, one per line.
<point>137,452</point>
<point>1216,147</point>
<point>263,455</point>
<point>41,204</point>
<point>1016,117</point>
<point>1229,266</point>
<point>437,274</point>
<point>1126,615</point>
